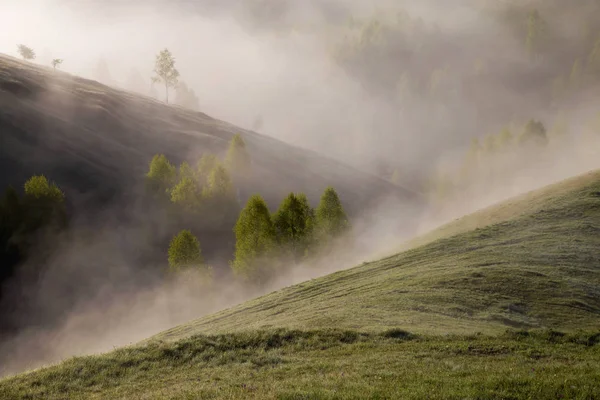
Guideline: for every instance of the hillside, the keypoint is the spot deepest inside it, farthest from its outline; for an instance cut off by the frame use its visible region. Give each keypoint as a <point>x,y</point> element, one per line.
<point>96,142</point>
<point>408,326</point>
<point>531,262</point>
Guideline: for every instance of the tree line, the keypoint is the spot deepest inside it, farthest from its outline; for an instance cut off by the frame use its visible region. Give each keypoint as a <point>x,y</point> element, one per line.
<point>263,240</point>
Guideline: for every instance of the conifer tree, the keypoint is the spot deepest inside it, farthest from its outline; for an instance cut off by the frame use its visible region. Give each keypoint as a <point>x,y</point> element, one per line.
<point>293,224</point>
<point>255,241</point>
<point>184,252</point>
<point>238,159</point>
<point>186,194</point>
<point>330,216</point>
<point>533,133</point>
<point>185,171</point>
<point>161,174</point>
<point>218,184</point>
<point>205,165</point>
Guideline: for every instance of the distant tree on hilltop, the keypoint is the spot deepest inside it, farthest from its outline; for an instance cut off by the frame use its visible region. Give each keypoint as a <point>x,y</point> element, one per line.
<point>56,63</point>
<point>26,52</point>
<point>166,73</point>
<point>534,132</point>
<point>185,97</point>
<point>102,73</point>
<point>237,159</point>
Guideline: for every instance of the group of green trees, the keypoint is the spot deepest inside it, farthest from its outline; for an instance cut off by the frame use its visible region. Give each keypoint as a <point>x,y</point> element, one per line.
<point>208,188</point>
<point>264,242</point>
<point>489,157</point>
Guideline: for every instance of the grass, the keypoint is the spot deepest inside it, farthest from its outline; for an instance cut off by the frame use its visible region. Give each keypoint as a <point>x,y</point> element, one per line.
<point>329,364</point>
<point>531,265</point>
<point>536,266</point>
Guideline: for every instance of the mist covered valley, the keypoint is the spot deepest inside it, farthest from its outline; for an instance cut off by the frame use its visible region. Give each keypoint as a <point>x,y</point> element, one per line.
<point>416,113</point>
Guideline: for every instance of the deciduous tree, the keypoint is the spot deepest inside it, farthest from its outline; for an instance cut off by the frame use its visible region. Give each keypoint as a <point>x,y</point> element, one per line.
<point>166,73</point>
<point>255,241</point>
<point>26,52</point>
<point>331,218</point>
<point>184,252</point>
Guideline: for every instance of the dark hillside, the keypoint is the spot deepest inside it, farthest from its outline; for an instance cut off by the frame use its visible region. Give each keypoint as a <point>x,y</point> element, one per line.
<point>96,142</point>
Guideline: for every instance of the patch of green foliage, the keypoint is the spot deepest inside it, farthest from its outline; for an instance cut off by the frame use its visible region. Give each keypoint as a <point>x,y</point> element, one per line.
<point>329,364</point>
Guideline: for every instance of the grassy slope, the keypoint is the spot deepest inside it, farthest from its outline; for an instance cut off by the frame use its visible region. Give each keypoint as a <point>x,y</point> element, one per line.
<point>91,138</point>
<point>536,265</point>
<point>328,365</point>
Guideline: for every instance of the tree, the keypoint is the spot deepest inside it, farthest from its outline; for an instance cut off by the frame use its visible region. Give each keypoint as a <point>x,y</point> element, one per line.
<point>237,159</point>
<point>26,52</point>
<point>396,177</point>
<point>39,187</point>
<point>205,165</point>
<point>331,218</point>
<point>575,77</point>
<point>293,224</point>
<point>165,71</point>
<point>534,132</point>
<point>186,97</point>
<point>536,28</point>
<point>161,174</point>
<point>219,199</point>
<point>56,63</point>
<point>43,202</point>
<point>102,73</point>
<point>594,58</point>
<point>218,184</point>
<point>505,138</point>
<point>255,241</point>
<point>186,194</point>
<point>136,83</point>
<point>185,171</point>
<point>184,252</point>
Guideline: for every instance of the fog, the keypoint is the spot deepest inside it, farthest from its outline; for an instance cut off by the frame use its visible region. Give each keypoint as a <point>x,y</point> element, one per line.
<point>281,67</point>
